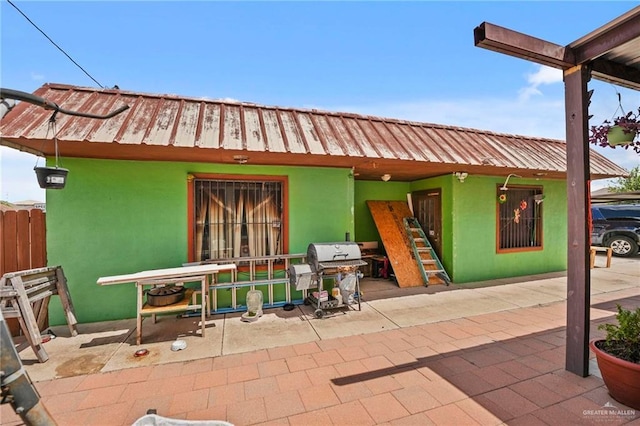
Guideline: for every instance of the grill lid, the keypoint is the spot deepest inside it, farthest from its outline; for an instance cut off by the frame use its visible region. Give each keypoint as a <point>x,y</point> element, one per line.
<point>332,255</point>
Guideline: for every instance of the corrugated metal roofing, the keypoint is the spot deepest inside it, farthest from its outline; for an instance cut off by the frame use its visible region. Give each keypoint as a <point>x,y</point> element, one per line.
<point>174,128</point>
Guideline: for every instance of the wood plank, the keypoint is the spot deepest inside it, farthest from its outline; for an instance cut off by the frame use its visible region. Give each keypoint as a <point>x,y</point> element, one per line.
<point>3,243</point>
<point>43,314</point>
<point>10,235</point>
<point>65,300</point>
<point>38,239</point>
<point>33,286</point>
<point>28,320</point>
<point>156,274</point>
<point>23,248</point>
<point>388,217</point>
<point>30,272</point>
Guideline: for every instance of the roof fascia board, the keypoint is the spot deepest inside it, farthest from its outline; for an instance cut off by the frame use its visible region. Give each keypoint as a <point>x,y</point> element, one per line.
<point>22,148</point>
<point>617,74</point>
<point>597,43</point>
<point>513,43</point>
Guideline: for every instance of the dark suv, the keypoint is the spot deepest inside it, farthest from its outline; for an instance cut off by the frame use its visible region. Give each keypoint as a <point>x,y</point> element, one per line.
<point>616,226</point>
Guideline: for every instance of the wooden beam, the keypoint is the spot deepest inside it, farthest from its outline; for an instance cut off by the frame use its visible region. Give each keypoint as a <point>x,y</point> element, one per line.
<point>513,43</point>
<point>616,73</point>
<point>601,41</point>
<point>578,271</point>
<point>588,49</point>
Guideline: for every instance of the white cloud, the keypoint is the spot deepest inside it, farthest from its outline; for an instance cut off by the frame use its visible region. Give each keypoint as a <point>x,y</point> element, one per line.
<point>543,76</point>
<point>526,93</point>
<point>36,76</point>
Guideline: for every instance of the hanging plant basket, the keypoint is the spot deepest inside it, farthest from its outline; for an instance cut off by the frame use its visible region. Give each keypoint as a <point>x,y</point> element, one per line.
<point>621,130</point>
<point>617,136</point>
<point>51,177</point>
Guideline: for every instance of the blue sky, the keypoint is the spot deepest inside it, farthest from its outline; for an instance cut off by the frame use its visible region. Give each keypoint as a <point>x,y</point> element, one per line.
<point>407,60</point>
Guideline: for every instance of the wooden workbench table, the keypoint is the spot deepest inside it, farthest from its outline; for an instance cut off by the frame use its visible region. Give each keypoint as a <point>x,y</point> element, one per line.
<point>203,273</point>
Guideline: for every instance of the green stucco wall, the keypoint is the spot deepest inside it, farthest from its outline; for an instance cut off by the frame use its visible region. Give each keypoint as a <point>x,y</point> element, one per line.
<point>474,231</point>
<point>469,225</point>
<point>120,217</point>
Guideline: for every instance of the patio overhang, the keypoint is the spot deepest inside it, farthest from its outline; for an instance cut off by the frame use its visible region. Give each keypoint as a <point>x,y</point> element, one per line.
<point>610,53</point>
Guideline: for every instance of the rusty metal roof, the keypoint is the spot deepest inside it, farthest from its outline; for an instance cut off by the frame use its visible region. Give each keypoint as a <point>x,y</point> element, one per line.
<point>175,128</point>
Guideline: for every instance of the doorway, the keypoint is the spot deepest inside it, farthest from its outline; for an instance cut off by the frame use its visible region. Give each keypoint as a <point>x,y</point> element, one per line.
<point>427,209</point>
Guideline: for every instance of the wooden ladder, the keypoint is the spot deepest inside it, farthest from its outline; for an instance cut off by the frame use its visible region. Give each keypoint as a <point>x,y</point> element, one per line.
<point>426,257</point>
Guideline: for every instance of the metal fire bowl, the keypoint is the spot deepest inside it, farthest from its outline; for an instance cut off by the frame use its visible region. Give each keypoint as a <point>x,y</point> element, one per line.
<point>163,296</point>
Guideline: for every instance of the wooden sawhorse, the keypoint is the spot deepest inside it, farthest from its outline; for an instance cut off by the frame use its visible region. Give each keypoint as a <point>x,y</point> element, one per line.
<point>21,291</point>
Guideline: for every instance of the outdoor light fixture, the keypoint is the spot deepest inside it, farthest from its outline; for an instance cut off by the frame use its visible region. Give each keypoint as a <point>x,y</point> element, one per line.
<point>240,159</point>
<point>385,177</point>
<point>461,176</point>
<point>504,187</point>
<point>539,175</point>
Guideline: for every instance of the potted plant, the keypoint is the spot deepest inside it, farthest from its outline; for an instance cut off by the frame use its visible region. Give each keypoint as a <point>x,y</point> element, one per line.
<point>621,131</point>
<point>618,357</point>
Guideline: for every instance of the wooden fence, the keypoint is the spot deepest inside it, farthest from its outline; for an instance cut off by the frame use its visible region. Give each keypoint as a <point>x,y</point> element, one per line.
<point>22,240</point>
<point>23,245</point>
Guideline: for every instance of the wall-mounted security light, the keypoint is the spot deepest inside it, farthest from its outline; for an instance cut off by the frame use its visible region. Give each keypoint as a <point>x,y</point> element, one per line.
<point>461,176</point>
<point>385,177</point>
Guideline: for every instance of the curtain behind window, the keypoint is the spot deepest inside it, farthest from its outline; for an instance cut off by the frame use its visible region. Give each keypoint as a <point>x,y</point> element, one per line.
<point>237,219</point>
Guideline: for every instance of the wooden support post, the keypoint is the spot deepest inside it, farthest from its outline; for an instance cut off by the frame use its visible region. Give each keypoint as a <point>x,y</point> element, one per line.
<point>578,271</point>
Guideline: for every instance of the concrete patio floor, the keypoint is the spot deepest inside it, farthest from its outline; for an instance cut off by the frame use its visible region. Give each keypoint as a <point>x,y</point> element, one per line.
<point>486,353</point>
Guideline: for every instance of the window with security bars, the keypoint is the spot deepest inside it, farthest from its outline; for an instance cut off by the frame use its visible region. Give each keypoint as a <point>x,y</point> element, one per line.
<point>519,219</point>
<point>237,218</point>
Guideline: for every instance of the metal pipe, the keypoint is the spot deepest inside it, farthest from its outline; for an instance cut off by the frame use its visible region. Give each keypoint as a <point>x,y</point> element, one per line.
<point>504,187</point>
<point>5,106</point>
<point>46,104</point>
<point>16,385</point>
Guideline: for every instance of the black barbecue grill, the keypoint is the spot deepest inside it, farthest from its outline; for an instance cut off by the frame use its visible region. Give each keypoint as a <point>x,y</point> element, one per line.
<point>342,261</point>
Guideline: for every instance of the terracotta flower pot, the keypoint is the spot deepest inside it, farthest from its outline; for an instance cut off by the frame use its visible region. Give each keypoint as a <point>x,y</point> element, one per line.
<point>617,136</point>
<point>621,377</point>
